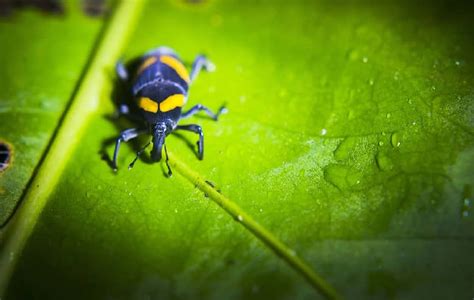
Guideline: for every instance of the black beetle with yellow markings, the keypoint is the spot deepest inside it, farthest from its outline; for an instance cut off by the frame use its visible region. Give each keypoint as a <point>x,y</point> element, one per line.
<point>160,90</point>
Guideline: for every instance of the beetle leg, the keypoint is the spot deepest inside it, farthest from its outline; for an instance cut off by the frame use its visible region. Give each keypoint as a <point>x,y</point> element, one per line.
<point>198,130</point>
<point>167,162</point>
<point>198,107</point>
<point>130,166</point>
<point>201,62</point>
<point>125,136</point>
<point>121,71</point>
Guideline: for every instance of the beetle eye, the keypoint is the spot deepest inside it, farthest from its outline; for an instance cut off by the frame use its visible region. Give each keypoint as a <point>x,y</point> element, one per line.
<point>160,79</point>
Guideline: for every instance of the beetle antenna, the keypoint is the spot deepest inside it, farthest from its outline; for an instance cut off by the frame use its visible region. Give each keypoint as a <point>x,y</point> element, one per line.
<point>167,164</point>
<point>130,166</point>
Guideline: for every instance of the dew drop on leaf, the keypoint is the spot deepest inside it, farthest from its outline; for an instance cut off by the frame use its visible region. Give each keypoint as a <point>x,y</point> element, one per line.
<point>383,162</point>
<point>395,140</point>
<point>352,54</point>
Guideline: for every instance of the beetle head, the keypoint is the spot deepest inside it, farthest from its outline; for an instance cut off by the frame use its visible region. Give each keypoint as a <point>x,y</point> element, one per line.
<point>159,135</point>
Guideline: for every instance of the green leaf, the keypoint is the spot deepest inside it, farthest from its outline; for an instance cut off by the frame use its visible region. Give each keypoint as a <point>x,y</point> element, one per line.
<point>40,68</point>
<point>349,137</point>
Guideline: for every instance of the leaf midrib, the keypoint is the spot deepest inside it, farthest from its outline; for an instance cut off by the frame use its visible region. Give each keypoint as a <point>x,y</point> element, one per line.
<point>83,106</point>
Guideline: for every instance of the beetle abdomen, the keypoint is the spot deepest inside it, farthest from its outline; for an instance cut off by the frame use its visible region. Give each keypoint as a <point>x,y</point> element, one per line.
<point>159,68</point>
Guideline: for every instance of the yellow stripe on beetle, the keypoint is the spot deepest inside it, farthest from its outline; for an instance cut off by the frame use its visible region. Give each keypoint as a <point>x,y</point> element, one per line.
<point>176,65</point>
<point>146,63</point>
<point>170,103</point>
<point>173,101</point>
<point>147,104</point>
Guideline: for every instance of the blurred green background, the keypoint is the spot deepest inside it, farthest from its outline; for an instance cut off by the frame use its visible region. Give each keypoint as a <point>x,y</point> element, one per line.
<point>349,136</point>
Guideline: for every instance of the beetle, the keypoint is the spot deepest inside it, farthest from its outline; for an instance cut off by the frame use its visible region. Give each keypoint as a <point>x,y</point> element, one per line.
<point>160,89</point>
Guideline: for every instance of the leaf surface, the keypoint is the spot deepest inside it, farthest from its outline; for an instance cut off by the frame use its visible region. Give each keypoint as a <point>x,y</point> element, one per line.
<point>40,68</point>
<point>349,136</point>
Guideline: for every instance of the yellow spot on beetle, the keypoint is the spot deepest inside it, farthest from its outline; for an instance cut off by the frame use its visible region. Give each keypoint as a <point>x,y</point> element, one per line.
<point>175,65</point>
<point>147,104</point>
<point>147,62</point>
<point>173,101</point>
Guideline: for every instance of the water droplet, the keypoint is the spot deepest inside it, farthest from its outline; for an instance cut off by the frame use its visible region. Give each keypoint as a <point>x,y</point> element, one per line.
<point>371,82</point>
<point>345,149</point>
<point>261,210</point>
<point>336,175</point>
<point>433,88</point>
<point>130,193</point>
<point>466,201</point>
<point>457,62</point>
<point>365,59</point>
<point>395,140</point>
<point>383,162</point>
<point>380,143</point>
<point>388,115</point>
<point>410,101</point>
<point>358,182</point>
<point>240,218</point>
<point>324,131</point>
<point>395,76</point>
<point>175,210</point>
<point>353,54</point>
<point>414,123</point>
